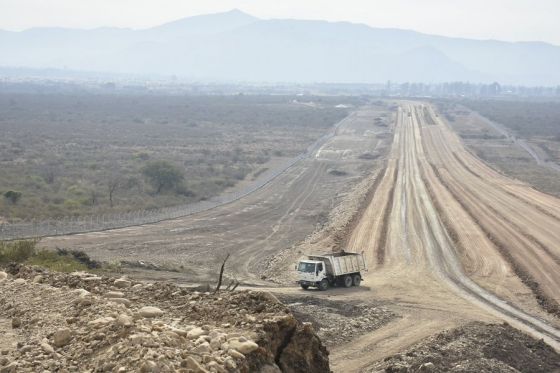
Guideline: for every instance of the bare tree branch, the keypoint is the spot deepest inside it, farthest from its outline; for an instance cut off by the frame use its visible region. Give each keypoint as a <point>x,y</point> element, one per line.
<point>221,274</point>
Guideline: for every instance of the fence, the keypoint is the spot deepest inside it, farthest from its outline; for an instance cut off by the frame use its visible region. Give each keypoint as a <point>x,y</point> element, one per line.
<point>94,223</point>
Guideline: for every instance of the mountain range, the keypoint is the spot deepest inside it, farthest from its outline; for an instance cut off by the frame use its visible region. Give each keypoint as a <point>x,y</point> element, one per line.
<point>237,47</point>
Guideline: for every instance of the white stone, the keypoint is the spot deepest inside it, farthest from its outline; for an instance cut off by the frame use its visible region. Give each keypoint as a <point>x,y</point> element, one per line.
<point>102,321</point>
<point>114,294</point>
<point>124,320</point>
<point>230,363</point>
<point>194,366</point>
<point>124,301</point>
<point>196,332</point>
<point>235,354</point>
<point>149,311</point>
<point>244,347</point>
<point>82,292</point>
<point>122,283</point>
<point>92,279</point>
<point>203,348</point>
<point>181,332</point>
<point>213,365</point>
<point>47,348</point>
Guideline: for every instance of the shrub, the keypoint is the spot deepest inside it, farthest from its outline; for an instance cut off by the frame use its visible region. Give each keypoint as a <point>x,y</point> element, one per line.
<point>79,256</point>
<point>55,262</point>
<point>163,175</point>
<point>12,196</point>
<point>16,251</point>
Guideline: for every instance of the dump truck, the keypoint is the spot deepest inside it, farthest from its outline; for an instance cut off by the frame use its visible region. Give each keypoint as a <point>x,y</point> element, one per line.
<point>332,269</point>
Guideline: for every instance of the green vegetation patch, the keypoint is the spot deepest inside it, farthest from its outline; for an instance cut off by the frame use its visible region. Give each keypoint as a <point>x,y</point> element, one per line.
<point>61,260</point>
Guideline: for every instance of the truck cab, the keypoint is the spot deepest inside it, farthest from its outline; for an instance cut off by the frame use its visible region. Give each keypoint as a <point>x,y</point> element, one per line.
<point>310,273</point>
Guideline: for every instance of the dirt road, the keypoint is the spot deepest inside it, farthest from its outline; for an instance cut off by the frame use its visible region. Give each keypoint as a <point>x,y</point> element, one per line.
<point>447,239</point>
<point>256,227</point>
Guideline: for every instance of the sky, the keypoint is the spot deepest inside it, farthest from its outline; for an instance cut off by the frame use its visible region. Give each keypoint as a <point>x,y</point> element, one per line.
<point>509,20</point>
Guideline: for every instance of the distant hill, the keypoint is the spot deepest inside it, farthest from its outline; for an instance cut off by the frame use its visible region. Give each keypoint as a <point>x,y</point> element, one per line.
<point>235,46</point>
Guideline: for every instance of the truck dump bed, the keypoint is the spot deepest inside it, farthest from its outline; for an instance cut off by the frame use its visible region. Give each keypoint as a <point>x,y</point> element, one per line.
<point>342,263</point>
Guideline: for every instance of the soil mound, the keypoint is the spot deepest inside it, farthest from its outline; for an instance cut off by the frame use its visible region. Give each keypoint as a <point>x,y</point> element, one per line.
<point>476,347</point>
<point>84,322</point>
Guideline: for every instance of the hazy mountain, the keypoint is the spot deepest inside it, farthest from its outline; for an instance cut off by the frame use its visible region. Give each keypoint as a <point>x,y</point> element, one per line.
<point>235,46</point>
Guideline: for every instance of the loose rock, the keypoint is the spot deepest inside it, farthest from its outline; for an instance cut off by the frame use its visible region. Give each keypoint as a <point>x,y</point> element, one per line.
<point>122,283</point>
<point>150,311</point>
<point>61,337</point>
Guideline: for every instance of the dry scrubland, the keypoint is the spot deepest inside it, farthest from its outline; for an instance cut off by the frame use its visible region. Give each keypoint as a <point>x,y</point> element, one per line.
<point>538,123</point>
<point>68,155</point>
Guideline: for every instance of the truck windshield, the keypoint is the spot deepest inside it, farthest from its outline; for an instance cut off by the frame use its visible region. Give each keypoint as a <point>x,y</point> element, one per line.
<point>306,267</point>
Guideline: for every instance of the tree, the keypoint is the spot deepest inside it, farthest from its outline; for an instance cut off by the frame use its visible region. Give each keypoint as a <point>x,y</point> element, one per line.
<point>163,175</point>
<point>93,196</point>
<point>114,182</point>
<point>12,196</point>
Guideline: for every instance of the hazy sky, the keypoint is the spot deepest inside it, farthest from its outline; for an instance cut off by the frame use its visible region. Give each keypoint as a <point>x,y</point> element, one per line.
<point>510,20</point>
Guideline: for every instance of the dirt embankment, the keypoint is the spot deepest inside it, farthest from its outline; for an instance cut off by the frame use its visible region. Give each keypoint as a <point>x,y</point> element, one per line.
<point>476,347</point>
<point>338,322</point>
<point>83,322</point>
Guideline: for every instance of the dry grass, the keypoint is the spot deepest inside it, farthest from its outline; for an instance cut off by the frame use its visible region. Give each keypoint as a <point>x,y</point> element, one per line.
<point>502,153</point>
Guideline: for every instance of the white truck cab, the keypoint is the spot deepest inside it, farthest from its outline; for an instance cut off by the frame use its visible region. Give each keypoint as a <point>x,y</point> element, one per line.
<point>325,270</point>
<point>311,271</point>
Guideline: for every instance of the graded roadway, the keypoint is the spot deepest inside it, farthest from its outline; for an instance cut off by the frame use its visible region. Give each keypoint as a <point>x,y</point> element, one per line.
<point>446,237</point>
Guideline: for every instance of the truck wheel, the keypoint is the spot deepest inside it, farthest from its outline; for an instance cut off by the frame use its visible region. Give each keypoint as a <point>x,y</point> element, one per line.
<point>356,280</point>
<point>304,286</point>
<point>324,284</point>
<point>347,281</point>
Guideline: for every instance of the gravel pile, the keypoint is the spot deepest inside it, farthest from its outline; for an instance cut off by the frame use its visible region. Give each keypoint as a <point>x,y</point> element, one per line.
<point>88,323</point>
<point>337,322</point>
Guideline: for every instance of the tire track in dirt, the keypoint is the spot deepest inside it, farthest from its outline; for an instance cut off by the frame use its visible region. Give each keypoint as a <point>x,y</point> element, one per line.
<point>449,265</point>
<point>517,225</point>
<point>388,209</point>
<point>433,286</point>
<point>548,304</point>
<point>505,190</point>
<point>435,250</point>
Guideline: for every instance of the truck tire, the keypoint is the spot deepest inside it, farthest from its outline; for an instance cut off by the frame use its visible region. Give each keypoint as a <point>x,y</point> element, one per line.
<point>304,286</point>
<point>324,284</point>
<point>356,280</point>
<point>347,281</point>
